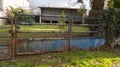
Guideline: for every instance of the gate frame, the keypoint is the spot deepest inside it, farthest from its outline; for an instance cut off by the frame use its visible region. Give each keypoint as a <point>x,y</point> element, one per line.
<point>69,26</point>
<point>11,45</point>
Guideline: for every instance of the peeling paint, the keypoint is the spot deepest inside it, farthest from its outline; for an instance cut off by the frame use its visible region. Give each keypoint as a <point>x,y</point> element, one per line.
<point>5,52</point>
<point>40,46</point>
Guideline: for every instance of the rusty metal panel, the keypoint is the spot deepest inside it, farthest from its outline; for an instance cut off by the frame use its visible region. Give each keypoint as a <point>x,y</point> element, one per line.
<point>61,45</point>
<point>5,52</point>
<point>41,46</point>
<point>86,43</point>
<point>27,46</point>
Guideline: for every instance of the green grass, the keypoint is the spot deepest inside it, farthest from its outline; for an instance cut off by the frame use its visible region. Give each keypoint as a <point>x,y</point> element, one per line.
<point>4,32</point>
<point>45,28</point>
<point>56,31</point>
<point>55,28</point>
<point>70,59</point>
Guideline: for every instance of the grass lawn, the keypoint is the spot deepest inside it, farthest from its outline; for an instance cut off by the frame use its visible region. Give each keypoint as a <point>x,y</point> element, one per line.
<point>47,28</point>
<point>56,31</point>
<point>70,59</point>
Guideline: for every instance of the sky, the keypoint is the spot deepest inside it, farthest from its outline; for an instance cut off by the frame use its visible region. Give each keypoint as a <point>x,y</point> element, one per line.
<point>59,3</point>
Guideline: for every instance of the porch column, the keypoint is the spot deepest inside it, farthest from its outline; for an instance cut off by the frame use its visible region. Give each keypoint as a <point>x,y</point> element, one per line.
<point>40,18</point>
<point>51,22</point>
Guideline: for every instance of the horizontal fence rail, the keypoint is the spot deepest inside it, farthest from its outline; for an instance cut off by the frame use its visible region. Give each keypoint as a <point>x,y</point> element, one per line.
<point>79,17</point>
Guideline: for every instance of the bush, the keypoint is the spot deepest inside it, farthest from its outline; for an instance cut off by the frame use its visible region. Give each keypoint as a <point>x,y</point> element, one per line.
<point>62,20</point>
<point>110,24</point>
<point>14,11</point>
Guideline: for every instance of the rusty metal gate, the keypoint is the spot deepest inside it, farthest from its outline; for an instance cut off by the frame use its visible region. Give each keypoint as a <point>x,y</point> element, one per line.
<point>28,37</point>
<point>6,39</point>
<point>32,38</point>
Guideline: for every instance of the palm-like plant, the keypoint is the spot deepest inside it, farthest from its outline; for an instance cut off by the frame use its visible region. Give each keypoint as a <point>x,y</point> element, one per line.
<point>14,11</point>
<point>82,11</point>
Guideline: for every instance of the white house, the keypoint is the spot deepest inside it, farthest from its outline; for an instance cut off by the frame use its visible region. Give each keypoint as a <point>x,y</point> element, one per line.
<point>5,4</point>
<point>60,4</point>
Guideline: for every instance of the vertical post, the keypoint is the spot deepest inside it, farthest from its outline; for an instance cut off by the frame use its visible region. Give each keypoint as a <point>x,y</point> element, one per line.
<point>70,25</point>
<point>69,31</point>
<point>13,40</point>
<point>51,22</point>
<point>15,37</point>
<point>40,19</point>
<point>14,34</point>
<point>83,18</point>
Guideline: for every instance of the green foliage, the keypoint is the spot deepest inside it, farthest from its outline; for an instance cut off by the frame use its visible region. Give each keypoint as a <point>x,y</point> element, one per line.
<point>62,18</point>
<point>48,28</point>
<point>70,59</point>
<point>82,10</point>
<point>110,4</point>
<point>41,28</point>
<point>114,4</point>
<point>110,24</point>
<point>25,19</point>
<point>110,21</point>
<point>14,11</point>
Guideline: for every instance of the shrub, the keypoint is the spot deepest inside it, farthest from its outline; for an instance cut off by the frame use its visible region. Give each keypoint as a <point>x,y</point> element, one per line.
<point>14,11</point>
<point>110,24</point>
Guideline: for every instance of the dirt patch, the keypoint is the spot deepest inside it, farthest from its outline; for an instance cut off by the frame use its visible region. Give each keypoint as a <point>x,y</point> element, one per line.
<point>115,65</point>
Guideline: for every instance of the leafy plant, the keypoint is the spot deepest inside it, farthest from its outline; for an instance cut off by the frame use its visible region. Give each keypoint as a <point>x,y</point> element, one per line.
<point>62,19</point>
<point>110,21</point>
<point>114,4</point>
<point>110,24</point>
<point>82,11</point>
<point>14,11</point>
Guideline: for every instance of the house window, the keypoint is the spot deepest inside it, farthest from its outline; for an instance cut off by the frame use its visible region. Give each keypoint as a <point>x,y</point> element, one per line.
<point>47,21</point>
<point>54,21</point>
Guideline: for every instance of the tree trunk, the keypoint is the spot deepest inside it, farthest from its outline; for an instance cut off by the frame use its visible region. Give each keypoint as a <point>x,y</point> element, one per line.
<point>97,6</point>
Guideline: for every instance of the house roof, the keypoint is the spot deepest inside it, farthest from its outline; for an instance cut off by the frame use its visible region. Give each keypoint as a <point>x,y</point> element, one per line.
<point>61,8</point>
<point>72,4</point>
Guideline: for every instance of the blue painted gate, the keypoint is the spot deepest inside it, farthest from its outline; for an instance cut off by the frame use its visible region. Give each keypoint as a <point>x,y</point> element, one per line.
<point>48,45</point>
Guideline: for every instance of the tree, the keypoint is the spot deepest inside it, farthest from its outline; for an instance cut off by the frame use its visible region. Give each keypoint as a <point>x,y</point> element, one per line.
<point>14,11</point>
<point>97,7</point>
